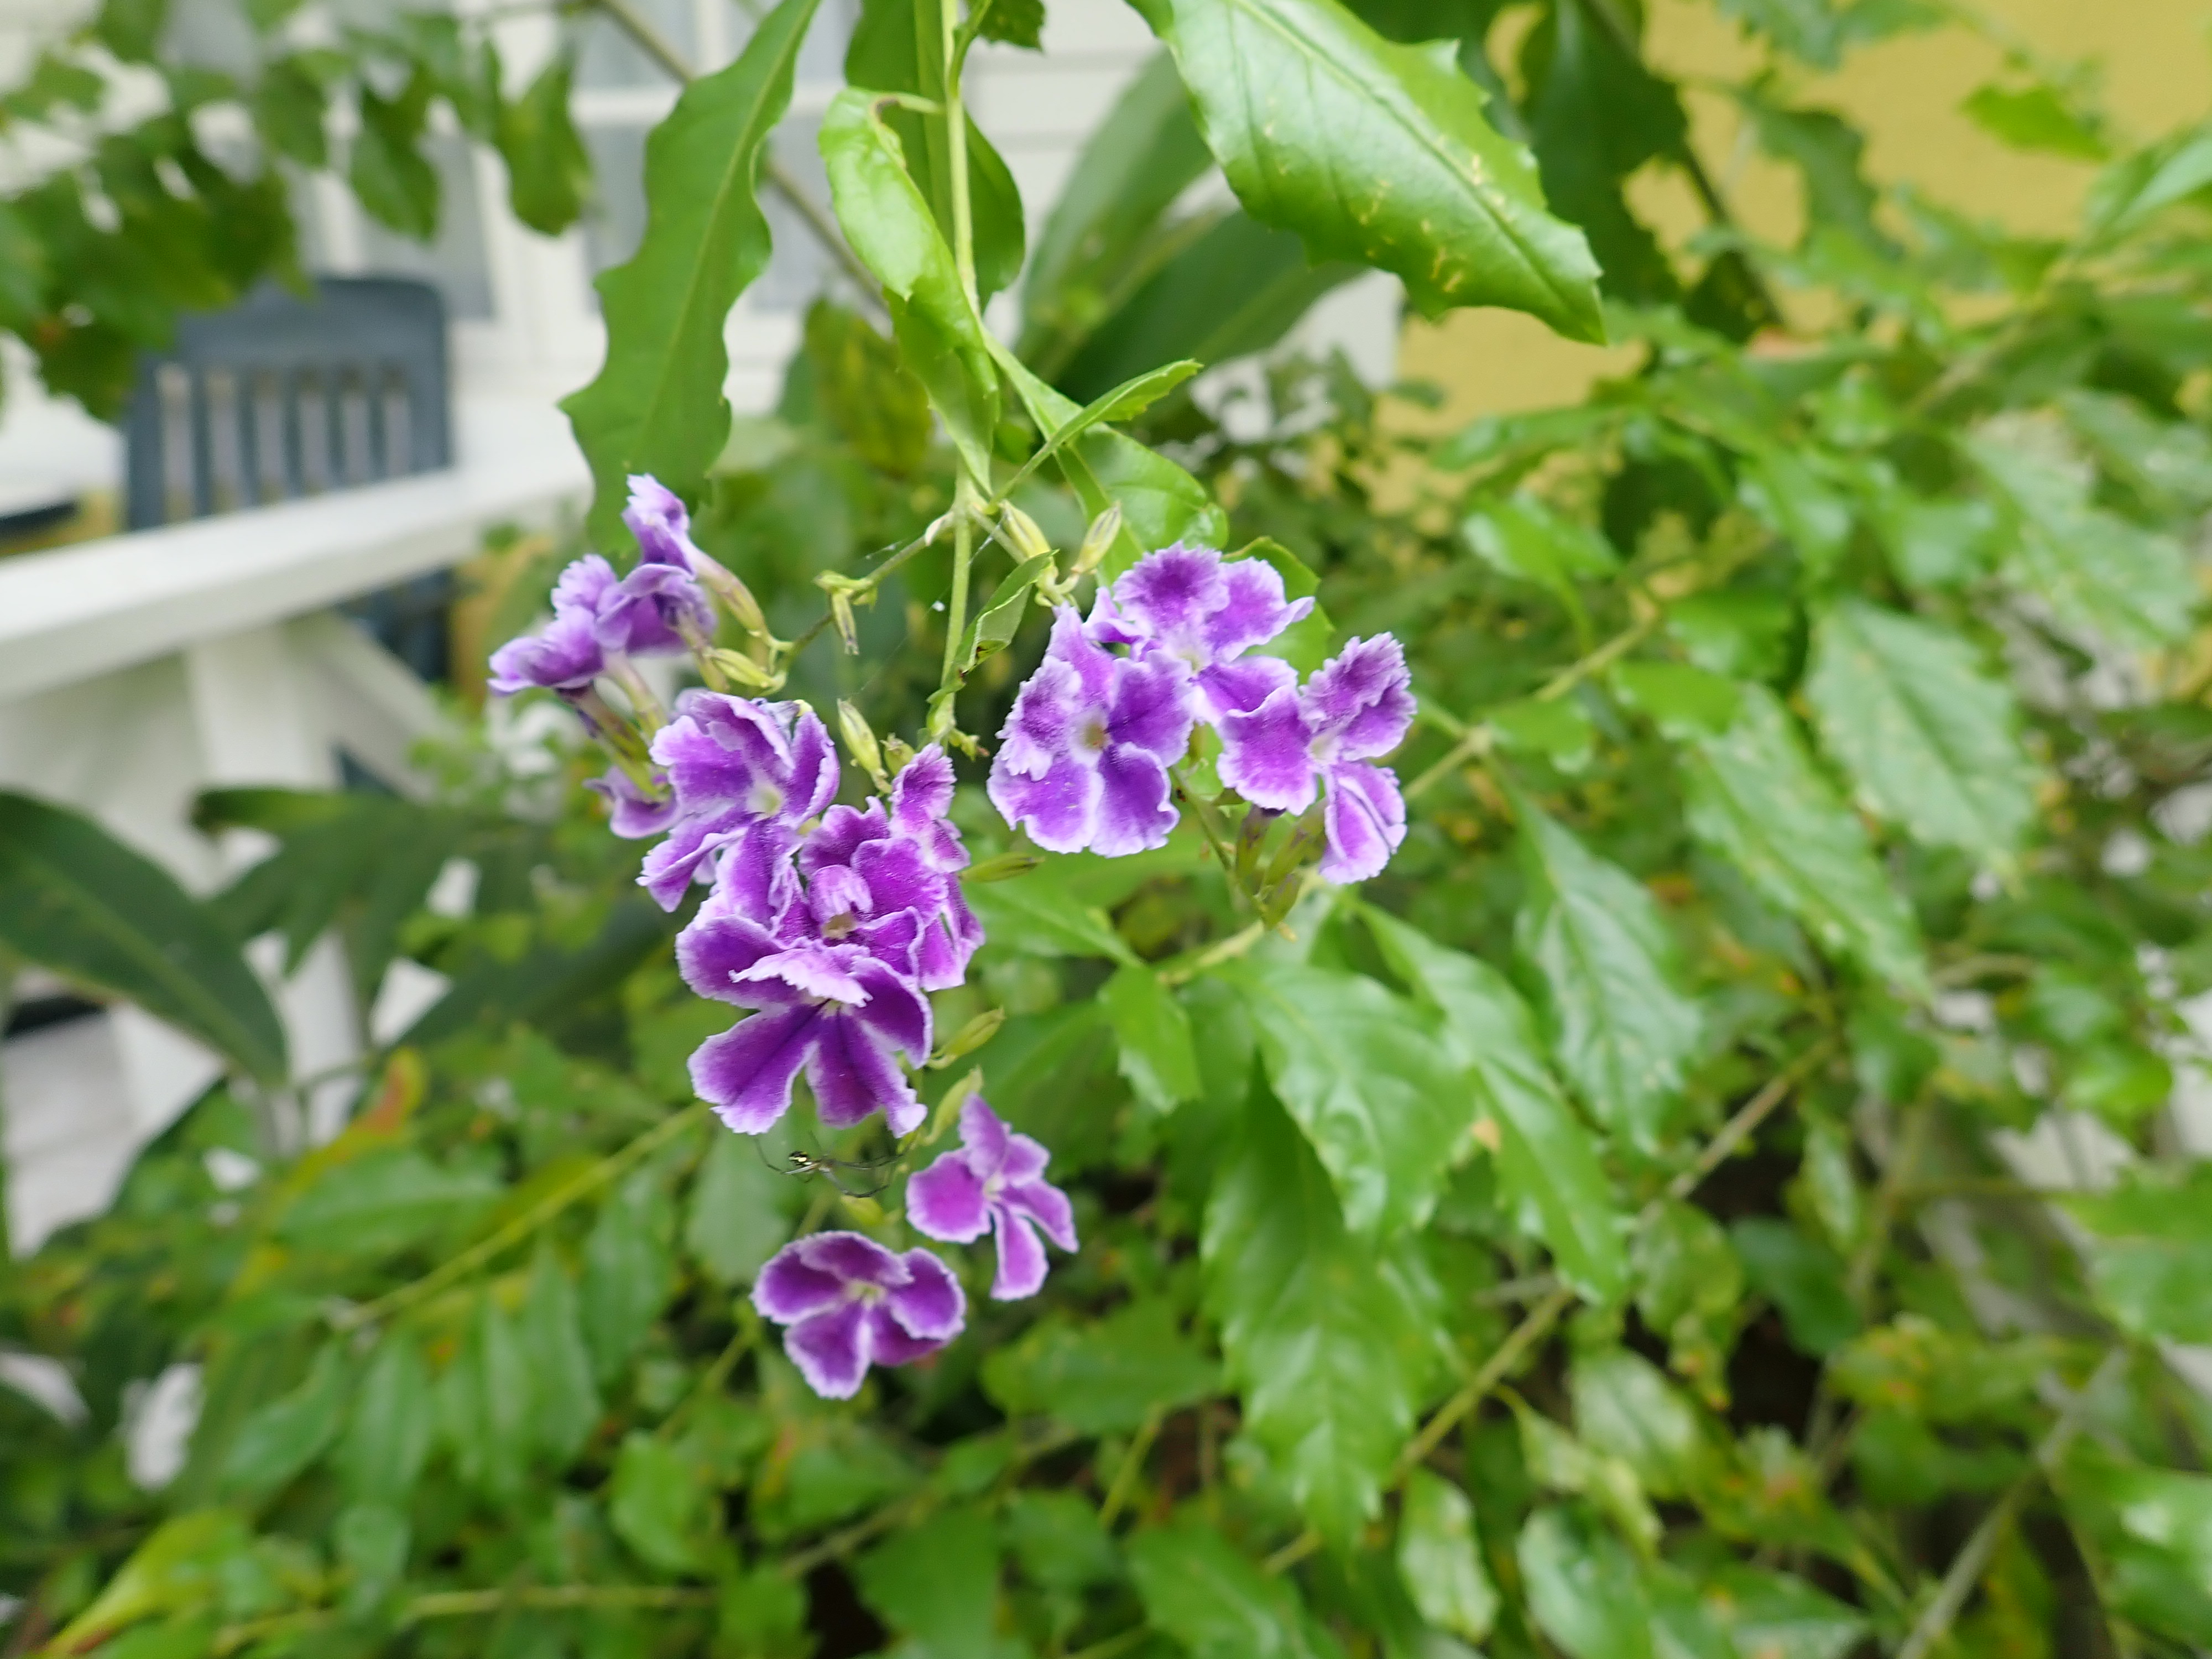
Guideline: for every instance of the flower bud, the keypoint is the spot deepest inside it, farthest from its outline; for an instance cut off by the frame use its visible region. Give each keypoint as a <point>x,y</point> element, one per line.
<point>1100,537</point>
<point>968,1038</point>
<point>1022,532</point>
<point>853,726</point>
<point>897,751</point>
<point>737,599</point>
<point>744,670</point>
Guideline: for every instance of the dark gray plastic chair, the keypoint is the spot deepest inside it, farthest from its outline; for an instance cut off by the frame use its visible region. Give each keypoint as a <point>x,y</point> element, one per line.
<point>283,396</point>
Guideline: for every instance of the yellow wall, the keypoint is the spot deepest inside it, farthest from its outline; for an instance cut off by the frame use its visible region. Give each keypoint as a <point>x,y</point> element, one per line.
<point>2156,57</point>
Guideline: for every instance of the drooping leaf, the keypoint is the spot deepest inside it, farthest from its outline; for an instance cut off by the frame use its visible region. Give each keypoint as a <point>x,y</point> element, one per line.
<point>1440,1558</point>
<point>1620,1026</point>
<point>1218,1605</point>
<point>1361,1072</point>
<point>1156,1051</point>
<point>1330,1340</point>
<point>548,171</point>
<point>1931,741</point>
<point>286,1435</point>
<point>1377,152</point>
<point>657,405</point>
<point>1756,797</point>
<point>76,901</point>
<point>1547,1162</point>
<point>1103,1378</point>
<point>1582,1586</point>
<point>387,1436</point>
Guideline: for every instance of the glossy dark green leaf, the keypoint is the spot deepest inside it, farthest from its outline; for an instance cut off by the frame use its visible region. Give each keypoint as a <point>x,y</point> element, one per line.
<point>938,1586</point>
<point>1102,1378</point>
<point>384,1200</point>
<point>548,171</point>
<point>1152,1033</point>
<point>564,1405</point>
<point>1361,1072</point>
<point>76,901</point>
<point>626,1272</point>
<point>658,1505</point>
<point>1620,1026</point>
<point>1376,152</point>
<point>1931,741</point>
<point>286,1435</point>
<point>1440,1558</point>
<point>2149,1252</point>
<point>1756,798</point>
<point>1547,1162</point>
<point>1803,1280</point>
<point>1582,1586</point>
<point>1217,1604</point>
<point>2154,1527</point>
<point>657,405</point>
<point>394,1418</point>
<point>1331,1341</point>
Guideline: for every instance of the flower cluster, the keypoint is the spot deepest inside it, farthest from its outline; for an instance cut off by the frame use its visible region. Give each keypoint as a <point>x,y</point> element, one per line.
<point>1087,756</point>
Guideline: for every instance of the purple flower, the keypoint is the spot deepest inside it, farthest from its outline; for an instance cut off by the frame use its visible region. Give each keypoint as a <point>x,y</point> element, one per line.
<point>851,1303</point>
<point>661,525</point>
<point>565,657</point>
<point>633,814</point>
<point>745,774</point>
<point>1351,710</point>
<point>598,620</point>
<point>995,1182</point>
<point>1189,604</point>
<point>1082,759</point>
<point>837,998</point>
<point>905,859</point>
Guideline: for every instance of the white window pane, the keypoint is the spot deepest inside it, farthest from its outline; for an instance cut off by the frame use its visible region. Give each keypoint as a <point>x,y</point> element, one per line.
<point>606,56</point>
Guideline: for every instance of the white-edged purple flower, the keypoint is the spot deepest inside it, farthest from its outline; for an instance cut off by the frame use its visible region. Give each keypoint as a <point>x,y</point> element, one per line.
<point>836,999</point>
<point>1082,759</point>
<point>600,620</point>
<point>850,1304</point>
<point>905,859</point>
<point>994,1183</point>
<point>746,773</point>
<point>662,528</point>
<point>631,813</point>
<point>565,656</point>
<point>1206,612</point>
<point>1319,739</point>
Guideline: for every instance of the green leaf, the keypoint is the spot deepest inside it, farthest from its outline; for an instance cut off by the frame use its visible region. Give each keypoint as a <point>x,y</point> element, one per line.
<point>1197,1588</point>
<point>75,900</point>
<point>658,1505</point>
<point>1362,1073</point>
<point>1101,1378</point>
<point>1037,915</point>
<point>564,1405</point>
<point>391,178</point>
<point>1803,1280</point>
<point>179,1568</point>
<point>657,405</point>
<point>384,1201</point>
<point>1931,741</point>
<point>371,1540</point>
<point>1014,22</point>
<point>1682,701</point>
<point>626,1272</point>
<point>1000,615</point>
<point>2095,569</point>
<point>888,224</point>
<point>2035,118</point>
<point>1378,153</point>
<point>549,170</point>
<point>1582,1586</point>
<point>1810,29</point>
<point>882,410</point>
<point>1756,798</point>
<point>286,1435</point>
<point>741,1211</point>
<point>1688,1284</point>
<point>938,1585</point>
<point>1440,1558</point>
<point>2149,1252</point>
<point>1332,1340</point>
<point>1547,1162</point>
<point>387,1437</point>
<point>2137,186</point>
<point>484,1404</point>
<point>288,107</point>
<point>1156,1051</point>
<point>1621,1027</point>
<point>1056,1537</point>
<point>1625,1407</point>
<point>2154,1527</point>
<point>1744,634</point>
<point>1775,1615</point>
<point>1133,397</point>
<point>2168,462</point>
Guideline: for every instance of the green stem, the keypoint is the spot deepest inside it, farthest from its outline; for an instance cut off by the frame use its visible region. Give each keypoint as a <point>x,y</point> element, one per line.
<point>955,149</point>
<point>963,561</point>
<point>1133,1463</point>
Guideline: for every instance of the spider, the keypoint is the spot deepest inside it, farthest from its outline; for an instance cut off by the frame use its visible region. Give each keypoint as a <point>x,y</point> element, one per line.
<point>804,1165</point>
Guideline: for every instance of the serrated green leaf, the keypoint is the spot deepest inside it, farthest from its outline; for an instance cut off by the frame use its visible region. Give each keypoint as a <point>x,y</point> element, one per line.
<point>1756,798</point>
<point>1155,1050</point>
<point>1197,1588</point>
<point>1625,1407</point>
<point>1378,153</point>
<point>626,1272</point>
<point>1547,1162</point>
<point>1362,1073</point>
<point>1331,1341</point>
<point>1803,1280</point>
<point>938,1585</point>
<point>1582,1586</point>
<point>1440,1558</point>
<point>1931,741</point>
<point>1036,914</point>
<point>2149,1252</point>
<point>1621,1027</point>
<point>75,900</point>
<point>889,223</point>
<point>1100,1378</point>
<point>741,1211</point>
<point>387,1436</point>
<point>657,405</point>
<point>383,1201</point>
<point>658,1505</point>
<point>281,1439</point>
<point>564,1405</point>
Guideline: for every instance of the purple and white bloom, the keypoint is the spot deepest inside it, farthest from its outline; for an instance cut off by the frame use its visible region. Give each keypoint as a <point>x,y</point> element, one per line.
<point>1082,759</point>
<point>656,518</point>
<point>851,1303</point>
<point>905,859</point>
<point>1192,604</point>
<point>836,998</point>
<point>1319,739</point>
<point>994,1183</point>
<point>566,657</point>
<point>633,814</point>
<point>746,775</point>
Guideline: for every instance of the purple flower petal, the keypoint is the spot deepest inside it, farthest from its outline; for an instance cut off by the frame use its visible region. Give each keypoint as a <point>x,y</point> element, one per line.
<point>1047,1206</point>
<point>793,1287</point>
<point>1232,687</point>
<point>1021,1257</point>
<point>1170,596</point>
<point>853,1257</point>
<point>890,1343</point>
<point>1360,703</point>
<point>852,1075</point>
<point>658,521</point>
<point>584,586</point>
<point>648,611</point>
<point>566,656</point>
<point>922,792</point>
<point>1151,708</point>
<point>1266,754</point>
<point>983,1133</point>
<point>831,1350</point>
<point>633,815</point>
<point>930,1304</point>
<point>814,970</point>
<point>745,1073</point>
<point>946,1201</point>
<point>1135,810</point>
<point>1365,818</point>
<point>719,948</point>
<point>1057,806</point>
<point>1253,611</point>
